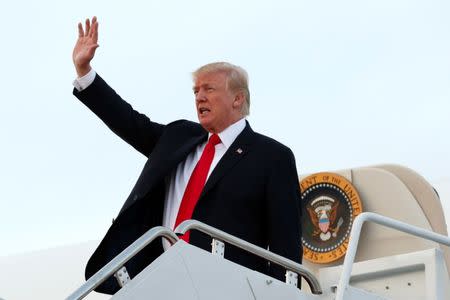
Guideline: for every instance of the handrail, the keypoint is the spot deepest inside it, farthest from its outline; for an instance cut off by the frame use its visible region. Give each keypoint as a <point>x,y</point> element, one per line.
<point>384,221</point>
<point>115,264</point>
<point>261,252</point>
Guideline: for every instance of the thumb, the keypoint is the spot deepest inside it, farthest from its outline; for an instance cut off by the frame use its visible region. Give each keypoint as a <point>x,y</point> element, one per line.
<point>92,49</point>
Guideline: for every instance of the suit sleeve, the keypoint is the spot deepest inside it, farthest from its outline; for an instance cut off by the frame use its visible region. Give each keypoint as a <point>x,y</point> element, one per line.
<point>133,127</point>
<point>283,212</point>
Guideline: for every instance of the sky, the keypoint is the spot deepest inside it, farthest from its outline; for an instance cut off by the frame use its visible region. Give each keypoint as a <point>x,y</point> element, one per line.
<point>343,83</point>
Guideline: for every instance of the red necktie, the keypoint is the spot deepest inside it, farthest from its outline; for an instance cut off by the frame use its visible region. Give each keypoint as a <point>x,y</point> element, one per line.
<point>196,182</point>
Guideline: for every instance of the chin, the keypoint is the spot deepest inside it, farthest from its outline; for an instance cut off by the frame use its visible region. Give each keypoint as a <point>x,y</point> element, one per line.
<point>205,125</point>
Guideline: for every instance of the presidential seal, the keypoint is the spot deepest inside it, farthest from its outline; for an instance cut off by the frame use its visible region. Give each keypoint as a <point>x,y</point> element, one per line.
<point>330,204</point>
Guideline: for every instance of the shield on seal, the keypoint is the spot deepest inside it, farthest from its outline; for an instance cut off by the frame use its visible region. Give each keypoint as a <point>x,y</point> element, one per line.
<point>324,223</point>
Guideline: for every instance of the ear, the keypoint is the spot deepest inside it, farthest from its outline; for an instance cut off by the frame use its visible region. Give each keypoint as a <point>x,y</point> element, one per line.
<point>239,99</point>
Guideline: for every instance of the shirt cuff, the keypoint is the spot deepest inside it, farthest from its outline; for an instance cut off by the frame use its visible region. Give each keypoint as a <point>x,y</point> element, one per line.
<point>85,81</point>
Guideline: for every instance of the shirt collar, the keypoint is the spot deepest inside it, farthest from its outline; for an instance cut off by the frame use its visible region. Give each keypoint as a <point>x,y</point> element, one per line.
<point>230,133</point>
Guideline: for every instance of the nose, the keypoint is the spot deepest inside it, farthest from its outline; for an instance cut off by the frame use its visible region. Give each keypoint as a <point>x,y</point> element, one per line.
<point>200,96</point>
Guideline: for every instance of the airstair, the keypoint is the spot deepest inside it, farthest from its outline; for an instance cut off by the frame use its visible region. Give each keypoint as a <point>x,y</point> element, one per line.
<point>397,249</point>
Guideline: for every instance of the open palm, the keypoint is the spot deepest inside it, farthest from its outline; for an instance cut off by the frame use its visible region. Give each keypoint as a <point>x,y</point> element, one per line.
<point>85,47</point>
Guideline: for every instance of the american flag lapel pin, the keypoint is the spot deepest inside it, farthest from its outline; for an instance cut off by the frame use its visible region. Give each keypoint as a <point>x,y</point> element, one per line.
<point>239,151</point>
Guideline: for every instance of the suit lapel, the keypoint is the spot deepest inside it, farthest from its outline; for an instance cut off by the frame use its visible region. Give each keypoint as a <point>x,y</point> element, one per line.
<point>183,151</point>
<point>240,147</point>
<point>162,163</point>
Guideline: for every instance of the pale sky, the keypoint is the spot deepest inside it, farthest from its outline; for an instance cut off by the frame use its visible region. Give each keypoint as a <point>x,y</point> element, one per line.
<point>342,83</point>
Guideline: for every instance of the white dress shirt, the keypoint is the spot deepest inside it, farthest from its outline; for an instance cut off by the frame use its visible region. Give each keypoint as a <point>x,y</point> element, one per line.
<point>83,82</point>
<point>178,180</point>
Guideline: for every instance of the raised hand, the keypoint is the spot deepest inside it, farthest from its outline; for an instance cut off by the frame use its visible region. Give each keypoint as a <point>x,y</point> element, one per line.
<point>84,49</point>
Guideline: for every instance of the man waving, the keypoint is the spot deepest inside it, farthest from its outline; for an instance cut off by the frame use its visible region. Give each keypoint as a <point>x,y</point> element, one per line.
<point>218,171</point>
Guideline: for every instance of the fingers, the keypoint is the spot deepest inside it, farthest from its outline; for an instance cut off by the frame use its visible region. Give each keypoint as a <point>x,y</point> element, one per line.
<point>95,32</point>
<point>80,30</point>
<point>88,27</point>
<point>90,30</point>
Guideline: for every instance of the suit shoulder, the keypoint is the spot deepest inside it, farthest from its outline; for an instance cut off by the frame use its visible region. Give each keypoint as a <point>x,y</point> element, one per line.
<point>271,144</point>
<point>276,156</point>
<point>185,126</point>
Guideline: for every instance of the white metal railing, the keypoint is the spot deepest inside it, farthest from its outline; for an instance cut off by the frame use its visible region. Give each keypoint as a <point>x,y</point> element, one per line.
<point>118,261</point>
<point>384,221</point>
<point>261,252</point>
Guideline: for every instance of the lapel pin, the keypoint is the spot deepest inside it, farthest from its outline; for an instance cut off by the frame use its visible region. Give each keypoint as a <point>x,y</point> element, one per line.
<point>239,151</point>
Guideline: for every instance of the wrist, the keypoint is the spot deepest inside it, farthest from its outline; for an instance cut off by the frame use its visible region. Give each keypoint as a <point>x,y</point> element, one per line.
<point>82,70</point>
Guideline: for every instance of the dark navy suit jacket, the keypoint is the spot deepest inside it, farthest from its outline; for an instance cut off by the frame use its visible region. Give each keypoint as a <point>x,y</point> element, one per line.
<point>252,193</point>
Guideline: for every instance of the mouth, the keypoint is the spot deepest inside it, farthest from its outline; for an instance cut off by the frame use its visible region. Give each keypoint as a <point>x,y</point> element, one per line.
<point>203,111</point>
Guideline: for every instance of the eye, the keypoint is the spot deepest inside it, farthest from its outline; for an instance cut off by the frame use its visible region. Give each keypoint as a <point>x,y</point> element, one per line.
<point>210,89</point>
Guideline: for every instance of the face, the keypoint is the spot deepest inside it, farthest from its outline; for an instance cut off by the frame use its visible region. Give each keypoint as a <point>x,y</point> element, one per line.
<point>217,107</point>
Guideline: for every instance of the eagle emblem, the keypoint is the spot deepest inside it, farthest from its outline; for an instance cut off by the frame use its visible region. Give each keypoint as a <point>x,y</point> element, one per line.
<point>330,203</point>
<point>323,217</point>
